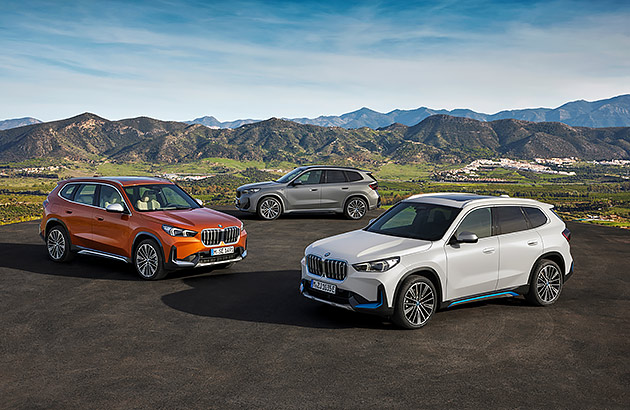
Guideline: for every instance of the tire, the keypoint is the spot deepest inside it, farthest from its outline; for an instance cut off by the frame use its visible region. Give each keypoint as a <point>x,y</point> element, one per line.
<point>269,208</point>
<point>546,284</point>
<point>355,208</point>
<point>148,260</point>
<point>58,244</point>
<point>416,303</point>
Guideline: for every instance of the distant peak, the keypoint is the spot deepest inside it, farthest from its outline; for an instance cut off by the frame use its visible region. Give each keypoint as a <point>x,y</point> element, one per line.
<point>87,116</point>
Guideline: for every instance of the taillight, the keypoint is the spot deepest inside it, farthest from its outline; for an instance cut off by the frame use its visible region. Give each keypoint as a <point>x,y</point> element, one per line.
<point>567,235</point>
<point>45,203</point>
<point>374,186</point>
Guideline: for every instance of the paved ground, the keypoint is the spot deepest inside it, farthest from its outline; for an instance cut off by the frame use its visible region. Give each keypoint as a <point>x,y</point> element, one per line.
<point>90,335</point>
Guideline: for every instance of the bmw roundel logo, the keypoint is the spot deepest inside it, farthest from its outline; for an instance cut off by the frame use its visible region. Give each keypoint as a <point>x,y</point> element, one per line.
<point>220,226</point>
<point>327,254</point>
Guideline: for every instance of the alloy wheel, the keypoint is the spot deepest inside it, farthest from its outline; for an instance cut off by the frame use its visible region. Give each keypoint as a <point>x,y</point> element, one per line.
<point>356,208</point>
<point>548,283</point>
<point>147,260</point>
<point>418,303</point>
<point>56,244</point>
<point>270,208</point>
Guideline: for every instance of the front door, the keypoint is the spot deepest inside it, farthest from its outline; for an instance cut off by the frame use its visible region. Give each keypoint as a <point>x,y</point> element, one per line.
<point>473,268</point>
<point>111,230</point>
<point>305,191</point>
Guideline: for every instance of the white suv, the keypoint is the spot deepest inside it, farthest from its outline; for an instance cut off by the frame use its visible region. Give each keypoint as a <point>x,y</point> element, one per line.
<point>435,251</point>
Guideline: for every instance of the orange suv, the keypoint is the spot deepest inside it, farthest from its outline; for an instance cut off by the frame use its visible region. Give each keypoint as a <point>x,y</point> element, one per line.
<point>150,222</point>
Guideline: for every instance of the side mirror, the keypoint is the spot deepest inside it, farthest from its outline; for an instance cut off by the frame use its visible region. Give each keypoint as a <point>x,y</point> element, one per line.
<point>467,237</point>
<point>199,201</point>
<point>116,208</point>
<point>296,183</point>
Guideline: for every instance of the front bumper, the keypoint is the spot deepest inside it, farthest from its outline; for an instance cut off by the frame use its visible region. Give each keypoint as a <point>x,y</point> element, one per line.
<point>203,259</point>
<point>349,300</point>
<point>356,293</point>
<point>244,203</point>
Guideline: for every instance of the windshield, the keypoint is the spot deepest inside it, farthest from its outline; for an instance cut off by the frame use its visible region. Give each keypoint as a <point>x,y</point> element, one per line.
<point>288,177</point>
<point>415,220</point>
<point>159,197</point>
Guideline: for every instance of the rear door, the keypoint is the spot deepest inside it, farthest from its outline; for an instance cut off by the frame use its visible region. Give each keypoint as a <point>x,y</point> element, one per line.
<point>77,214</point>
<point>519,245</point>
<point>305,191</point>
<point>335,189</point>
<point>473,268</point>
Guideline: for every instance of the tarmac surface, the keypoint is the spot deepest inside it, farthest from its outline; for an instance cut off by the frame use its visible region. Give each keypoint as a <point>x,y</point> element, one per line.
<point>90,334</point>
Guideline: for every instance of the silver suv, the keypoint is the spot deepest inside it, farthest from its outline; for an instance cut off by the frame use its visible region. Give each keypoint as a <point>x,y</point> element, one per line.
<point>312,188</point>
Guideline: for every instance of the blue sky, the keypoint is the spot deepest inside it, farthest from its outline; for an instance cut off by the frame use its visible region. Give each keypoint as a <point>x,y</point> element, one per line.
<point>180,60</point>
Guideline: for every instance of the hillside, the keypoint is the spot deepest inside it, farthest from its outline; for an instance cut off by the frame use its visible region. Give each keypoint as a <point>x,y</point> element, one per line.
<point>17,122</point>
<point>437,138</point>
<point>611,112</point>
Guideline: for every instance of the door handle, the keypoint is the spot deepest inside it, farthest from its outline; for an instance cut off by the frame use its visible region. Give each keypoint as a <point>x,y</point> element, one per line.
<point>313,189</point>
<point>345,187</point>
<point>533,242</point>
<point>488,250</point>
<point>68,211</point>
<point>100,218</point>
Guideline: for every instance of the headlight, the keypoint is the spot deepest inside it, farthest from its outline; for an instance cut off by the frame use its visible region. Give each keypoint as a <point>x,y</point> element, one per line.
<point>173,231</point>
<point>377,266</point>
<point>251,191</point>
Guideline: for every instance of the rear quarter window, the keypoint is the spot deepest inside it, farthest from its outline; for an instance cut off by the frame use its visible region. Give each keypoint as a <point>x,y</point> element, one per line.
<point>68,191</point>
<point>536,216</point>
<point>353,176</point>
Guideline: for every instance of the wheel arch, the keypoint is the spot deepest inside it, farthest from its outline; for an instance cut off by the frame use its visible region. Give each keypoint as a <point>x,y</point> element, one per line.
<point>53,222</point>
<point>274,195</point>
<point>428,273</point>
<point>356,195</point>
<point>140,236</point>
<point>552,256</point>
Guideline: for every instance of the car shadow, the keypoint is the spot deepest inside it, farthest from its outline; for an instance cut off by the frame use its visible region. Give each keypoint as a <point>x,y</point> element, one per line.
<point>297,215</point>
<point>263,297</point>
<point>33,258</point>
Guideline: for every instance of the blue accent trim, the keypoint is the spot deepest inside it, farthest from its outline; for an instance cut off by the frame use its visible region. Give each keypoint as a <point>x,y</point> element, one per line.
<point>374,305</point>
<point>492,295</point>
<point>301,288</point>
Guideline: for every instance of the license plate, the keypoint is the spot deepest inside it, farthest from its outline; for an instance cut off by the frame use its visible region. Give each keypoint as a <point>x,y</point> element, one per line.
<point>324,287</point>
<point>221,251</point>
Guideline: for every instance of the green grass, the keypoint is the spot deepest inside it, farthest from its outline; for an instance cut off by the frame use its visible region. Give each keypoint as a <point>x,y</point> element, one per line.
<point>595,190</point>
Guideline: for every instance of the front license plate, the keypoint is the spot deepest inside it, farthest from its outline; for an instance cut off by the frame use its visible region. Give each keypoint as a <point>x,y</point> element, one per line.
<point>324,287</point>
<point>221,251</point>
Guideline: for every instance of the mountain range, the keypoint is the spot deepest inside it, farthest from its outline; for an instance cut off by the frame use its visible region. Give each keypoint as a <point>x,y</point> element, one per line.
<point>18,122</point>
<point>444,138</point>
<point>611,112</point>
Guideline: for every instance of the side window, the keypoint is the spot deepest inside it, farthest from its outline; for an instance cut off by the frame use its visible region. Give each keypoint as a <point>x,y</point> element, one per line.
<point>478,222</point>
<point>510,219</point>
<point>352,176</point>
<point>68,191</point>
<point>536,216</point>
<point>334,176</point>
<point>85,194</point>
<point>310,177</point>
<point>109,195</point>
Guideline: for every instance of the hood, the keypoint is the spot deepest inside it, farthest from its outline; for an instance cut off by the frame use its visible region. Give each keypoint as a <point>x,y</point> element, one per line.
<point>257,185</point>
<point>195,219</point>
<point>364,246</point>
